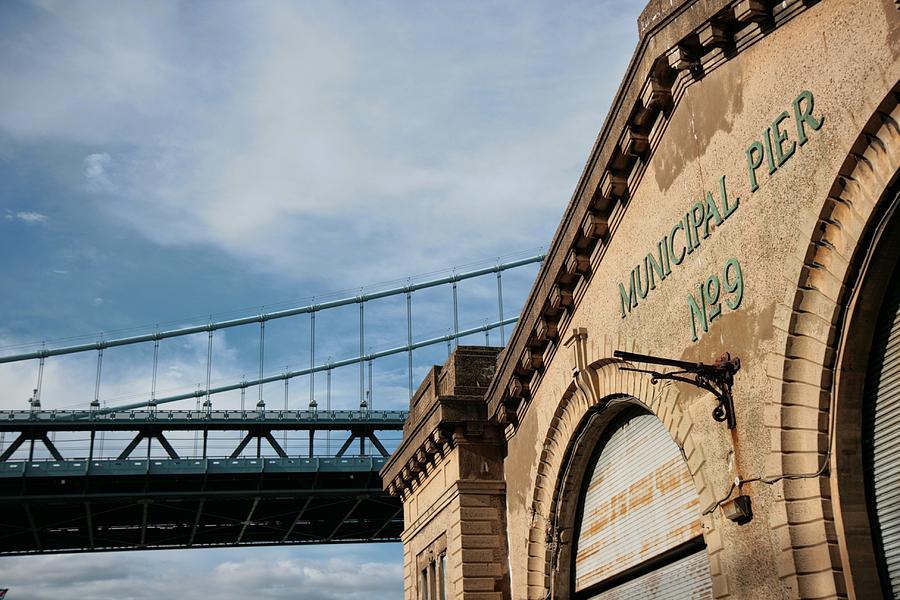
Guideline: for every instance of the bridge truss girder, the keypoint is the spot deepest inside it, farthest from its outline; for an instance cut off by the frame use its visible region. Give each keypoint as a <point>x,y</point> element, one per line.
<point>67,504</point>
<point>50,514</point>
<point>37,426</point>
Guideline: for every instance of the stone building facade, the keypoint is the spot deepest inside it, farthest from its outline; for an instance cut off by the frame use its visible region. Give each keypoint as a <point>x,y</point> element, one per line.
<point>736,230</point>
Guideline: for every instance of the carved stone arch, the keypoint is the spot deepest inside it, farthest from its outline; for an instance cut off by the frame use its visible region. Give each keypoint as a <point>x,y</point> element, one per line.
<point>598,392</point>
<point>806,374</point>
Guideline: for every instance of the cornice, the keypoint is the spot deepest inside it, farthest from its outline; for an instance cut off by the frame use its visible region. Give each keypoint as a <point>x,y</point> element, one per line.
<point>449,422</point>
<point>688,40</point>
<point>447,409</point>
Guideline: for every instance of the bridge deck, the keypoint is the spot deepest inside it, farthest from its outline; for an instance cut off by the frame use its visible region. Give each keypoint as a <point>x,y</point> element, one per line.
<point>199,420</point>
<point>82,506</point>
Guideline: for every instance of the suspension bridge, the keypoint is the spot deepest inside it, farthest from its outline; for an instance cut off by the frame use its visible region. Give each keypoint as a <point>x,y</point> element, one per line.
<point>156,474</point>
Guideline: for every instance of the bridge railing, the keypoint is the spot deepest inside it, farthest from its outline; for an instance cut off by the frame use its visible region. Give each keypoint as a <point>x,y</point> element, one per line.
<point>258,434</point>
<point>80,420</point>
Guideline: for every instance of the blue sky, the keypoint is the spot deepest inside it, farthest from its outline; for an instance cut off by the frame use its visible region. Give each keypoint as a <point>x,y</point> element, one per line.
<point>163,162</point>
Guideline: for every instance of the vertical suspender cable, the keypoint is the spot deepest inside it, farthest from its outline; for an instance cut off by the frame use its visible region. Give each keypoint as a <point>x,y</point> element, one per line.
<point>487,334</point>
<point>455,312</point>
<point>312,376</point>
<point>371,396</point>
<point>209,348</point>
<point>240,434</point>
<point>409,353</point>
<point>97,395</point>
<point>207,403</point>
<point>97,380</point>
<point>328,406</point>
<point>37,394</point>
<point>40,380</point>
<point>262,358</point>
<point>312,356</point>
<point>197,432</point>
<point>449,344</point>
<point>362,365</point>
<point>155,369</point>
<point>500,307</point>
<point>286,381</point>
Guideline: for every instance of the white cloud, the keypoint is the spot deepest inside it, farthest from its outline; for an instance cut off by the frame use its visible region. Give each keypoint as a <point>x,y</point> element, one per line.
<point>328,578</point>
<point>264,573</point>
<point>32,218</point>
<point>95,171</point>
<point>297,135</point>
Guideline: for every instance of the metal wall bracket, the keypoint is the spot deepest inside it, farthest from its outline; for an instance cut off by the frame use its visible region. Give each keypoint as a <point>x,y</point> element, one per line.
<point>716,378</point>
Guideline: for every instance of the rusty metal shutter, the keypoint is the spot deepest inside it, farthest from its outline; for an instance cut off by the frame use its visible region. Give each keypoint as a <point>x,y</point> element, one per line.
<point>640,502</point>
<point>684,579</point>
<point>881,435</point>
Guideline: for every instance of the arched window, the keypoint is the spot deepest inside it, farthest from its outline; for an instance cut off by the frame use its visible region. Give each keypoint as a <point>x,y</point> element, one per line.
<point>638,526</point>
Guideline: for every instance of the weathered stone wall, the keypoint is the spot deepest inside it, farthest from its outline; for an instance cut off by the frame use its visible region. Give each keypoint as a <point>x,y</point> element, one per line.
<point>747,153</point>
<point>846,55</point>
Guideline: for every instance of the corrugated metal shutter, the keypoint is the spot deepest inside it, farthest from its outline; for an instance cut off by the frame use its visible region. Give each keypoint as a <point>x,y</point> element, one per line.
<point>640,502</point>
<point>882,431</point>
<point>685,579</point>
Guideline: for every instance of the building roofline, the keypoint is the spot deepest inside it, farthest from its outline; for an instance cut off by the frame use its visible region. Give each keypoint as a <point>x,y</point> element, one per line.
<point>679,41</point>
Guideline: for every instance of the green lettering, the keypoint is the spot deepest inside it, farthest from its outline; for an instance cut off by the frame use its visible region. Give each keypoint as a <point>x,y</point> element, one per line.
<point>735,286</point>
<point>687,232</point>
<point>697,220</point>
<point>711,291</point>
<point>804,117</point>
<point>663,250</point>
<point>780,138</point>
<point>629,300</point>
<point>643,285</point>
<point>698,312</point>
<point>651,265</point>
<point>769,159</point>
<point>712,212</point>
<point>753,163</point>
<point>727,210</point>
<point>676,258</point>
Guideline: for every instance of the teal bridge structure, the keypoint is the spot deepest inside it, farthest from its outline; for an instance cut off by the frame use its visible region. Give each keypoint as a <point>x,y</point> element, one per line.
<point>174,472</point>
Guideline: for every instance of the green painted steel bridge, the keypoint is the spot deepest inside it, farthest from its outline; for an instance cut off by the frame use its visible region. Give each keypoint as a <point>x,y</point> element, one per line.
<point>149,497</point>
<point>139,476</point>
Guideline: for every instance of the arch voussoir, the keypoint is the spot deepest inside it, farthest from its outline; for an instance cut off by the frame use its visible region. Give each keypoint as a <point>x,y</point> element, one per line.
<point>799,423</point>
<point>596,381</point>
